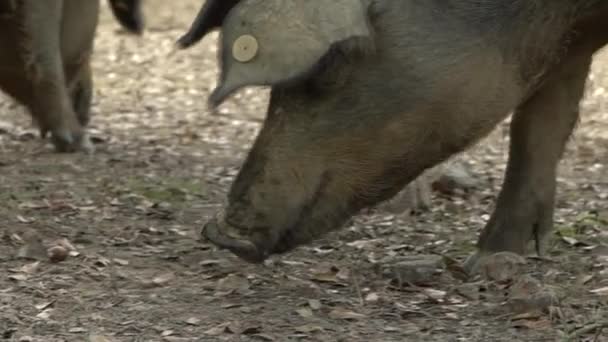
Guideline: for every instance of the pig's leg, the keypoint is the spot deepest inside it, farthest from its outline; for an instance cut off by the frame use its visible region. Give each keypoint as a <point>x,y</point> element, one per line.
<point>539,132</point>
<point>50,105</point>
<point>81,91</point>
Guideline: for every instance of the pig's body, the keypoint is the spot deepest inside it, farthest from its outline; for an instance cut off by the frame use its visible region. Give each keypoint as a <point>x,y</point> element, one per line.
<point>45,49</point>
<point>431,78</point>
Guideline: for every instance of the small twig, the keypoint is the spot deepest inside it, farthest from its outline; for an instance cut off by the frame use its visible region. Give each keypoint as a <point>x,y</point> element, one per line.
<point>598,326</point>
<point>596,338</point>
<point>542,259</point>
<point>358,288</point>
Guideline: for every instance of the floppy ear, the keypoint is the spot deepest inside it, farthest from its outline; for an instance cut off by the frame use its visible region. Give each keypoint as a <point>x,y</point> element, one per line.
<point>209,17</point>
<point>268,42</point>
<point>129,14</point>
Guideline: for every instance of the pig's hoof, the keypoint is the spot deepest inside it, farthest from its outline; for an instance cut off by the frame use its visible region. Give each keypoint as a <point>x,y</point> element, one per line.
<point>227,237</point>
<point>67,142</point>
<point>86,145</point>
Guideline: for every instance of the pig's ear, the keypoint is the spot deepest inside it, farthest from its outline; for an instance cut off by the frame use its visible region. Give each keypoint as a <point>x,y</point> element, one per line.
<point>210,16</point>
<point>129,14</point>
<point>268,42</point>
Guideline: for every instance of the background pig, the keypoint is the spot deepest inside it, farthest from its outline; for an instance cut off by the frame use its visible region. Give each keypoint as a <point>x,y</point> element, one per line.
<point>45,61</point>
<point>366,95</point>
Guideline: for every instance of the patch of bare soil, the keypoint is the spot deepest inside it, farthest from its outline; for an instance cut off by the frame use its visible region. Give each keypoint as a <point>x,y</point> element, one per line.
<point>105,247</point>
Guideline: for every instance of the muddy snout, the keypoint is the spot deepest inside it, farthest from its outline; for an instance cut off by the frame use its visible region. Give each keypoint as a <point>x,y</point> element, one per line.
<point>223,235</point>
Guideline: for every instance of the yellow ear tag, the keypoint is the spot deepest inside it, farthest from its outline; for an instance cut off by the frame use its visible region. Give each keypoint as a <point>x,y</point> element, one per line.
<point>245,48</point>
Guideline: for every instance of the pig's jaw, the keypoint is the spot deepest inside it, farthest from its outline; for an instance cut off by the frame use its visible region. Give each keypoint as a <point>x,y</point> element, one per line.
<point>225,236</point>
<point>255,245</point>
<point>325,211</point>
<point>251,248</point>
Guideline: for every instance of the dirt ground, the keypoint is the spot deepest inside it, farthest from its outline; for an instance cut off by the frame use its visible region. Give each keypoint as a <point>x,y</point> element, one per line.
<point>132,213</point>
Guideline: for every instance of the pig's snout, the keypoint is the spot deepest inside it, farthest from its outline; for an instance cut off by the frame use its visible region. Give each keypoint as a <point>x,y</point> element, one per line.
<point>223,235</point>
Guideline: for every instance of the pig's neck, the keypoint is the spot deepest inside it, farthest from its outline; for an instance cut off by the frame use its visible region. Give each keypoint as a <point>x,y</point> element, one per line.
<point>542,33</point>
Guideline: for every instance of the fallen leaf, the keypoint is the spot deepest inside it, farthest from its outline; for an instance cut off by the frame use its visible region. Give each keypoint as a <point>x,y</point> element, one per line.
<point>167,333</point>
<point>163,279</point>
<point>33,205</point>
<point>584,279</point>
<point>435,294</point>
<point>345,314</point>
<point>308,328</point>
<point>363,244</point>
<point>45,314</point>
<point>326,273</point>
<point>314,304</point>
<point>325,277</point>
<point>193,321</point>
<point>233,282</point>
<point>210,262</point>
<point>45,305</point>
<point>30,268</point>
<point>121,262</point>
<point>570,240</point>
<point>305,312</point>
<point>372,297</point>
<point>602,291</point>
<point>18,277</point>
<point>25,219</point>
<point>65,243</point>
<point>99,338</point>
<point>264,337</point>
<point>103,262</point>
<point>218,330</point>
<point>391,329</point>
<point>343,274</point>
<point>15,238</point>
<point>176,339</point>
<point>452,315</point>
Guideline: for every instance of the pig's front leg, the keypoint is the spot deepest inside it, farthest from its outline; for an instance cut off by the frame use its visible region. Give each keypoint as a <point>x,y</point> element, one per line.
<point>539,132</point>
<point>50,104</point>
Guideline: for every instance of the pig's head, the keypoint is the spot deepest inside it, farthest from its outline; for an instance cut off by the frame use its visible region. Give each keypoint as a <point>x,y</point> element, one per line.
<point>335,138</point>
